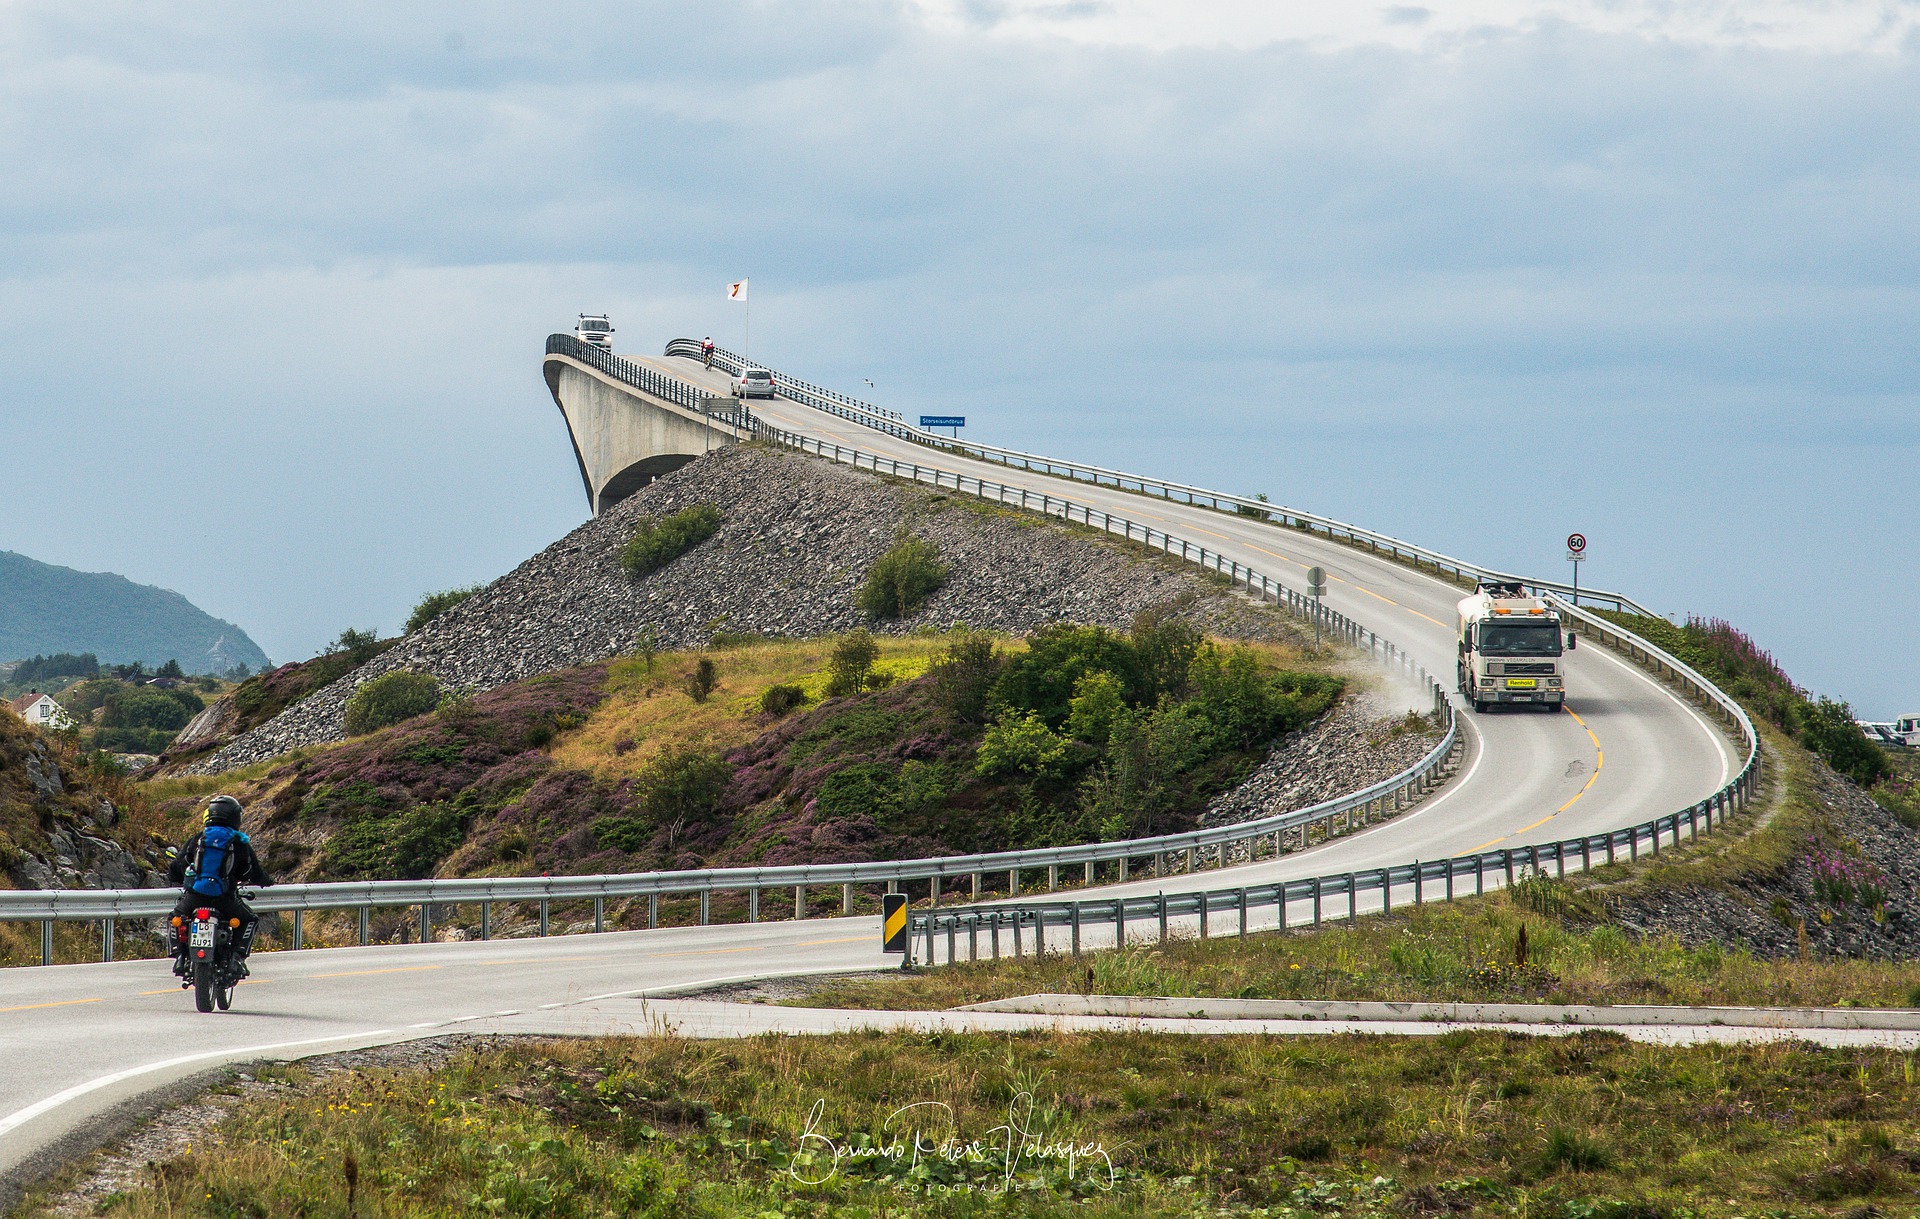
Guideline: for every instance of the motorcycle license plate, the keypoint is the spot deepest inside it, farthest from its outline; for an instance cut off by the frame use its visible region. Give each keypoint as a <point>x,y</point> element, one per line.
<point>202,935</point>
<point>1521,683</point>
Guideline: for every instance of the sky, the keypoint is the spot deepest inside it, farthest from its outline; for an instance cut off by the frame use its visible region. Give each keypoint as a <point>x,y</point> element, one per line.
<point>275,282</point>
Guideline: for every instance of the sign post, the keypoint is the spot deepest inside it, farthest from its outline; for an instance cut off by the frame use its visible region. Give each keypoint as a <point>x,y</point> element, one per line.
<point>956,422</point>
<point>893,924</point>
<point>1316,588</point>
<point>1576,551</point>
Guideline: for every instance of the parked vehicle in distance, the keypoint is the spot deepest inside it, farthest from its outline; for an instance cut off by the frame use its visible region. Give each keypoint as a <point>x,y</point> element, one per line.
<point>752,383</point>
<point>594,328</point>
<point>1907,728</point>
<point>1510,647</point>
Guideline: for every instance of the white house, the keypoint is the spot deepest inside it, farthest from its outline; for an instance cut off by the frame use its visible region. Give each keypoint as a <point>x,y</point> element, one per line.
<point>40,711</point>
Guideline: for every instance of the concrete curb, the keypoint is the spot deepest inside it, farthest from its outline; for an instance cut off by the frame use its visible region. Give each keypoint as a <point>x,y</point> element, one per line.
<point>1593,1015</point>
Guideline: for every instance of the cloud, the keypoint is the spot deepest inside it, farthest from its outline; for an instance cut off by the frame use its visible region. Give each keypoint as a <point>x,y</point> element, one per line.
<point>310,257</point>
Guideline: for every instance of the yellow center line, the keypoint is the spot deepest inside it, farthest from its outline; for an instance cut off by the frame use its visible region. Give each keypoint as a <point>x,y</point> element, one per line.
<point>28,1007</point>
<point>845,939</point>
<point>1599,760</point>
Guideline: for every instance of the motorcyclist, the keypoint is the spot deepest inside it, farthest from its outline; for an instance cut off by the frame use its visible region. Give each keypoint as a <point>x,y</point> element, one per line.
<point>706,350</point>
<point>237,865</point>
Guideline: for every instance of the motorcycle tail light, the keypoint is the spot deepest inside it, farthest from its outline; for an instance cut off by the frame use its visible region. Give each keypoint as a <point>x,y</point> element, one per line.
<point>203,913</point>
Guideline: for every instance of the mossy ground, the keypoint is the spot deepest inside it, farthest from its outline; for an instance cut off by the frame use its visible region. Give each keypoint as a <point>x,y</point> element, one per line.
<point>1461,1123</point>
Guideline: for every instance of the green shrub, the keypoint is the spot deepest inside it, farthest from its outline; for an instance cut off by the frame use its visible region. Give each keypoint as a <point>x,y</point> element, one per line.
<point>1572,1150</point>
<point>408,844</point>
<point>902,579</point>
<point>656,543</point>
<point>433,605</point>
<point>778,700</point>
<point>703,679</point>
<point>389,699</point>
<point>851,664</point>
<point>964,677</point>
<point>1019,744</point>
<point>629,834</point>
<point>144,707</point>
<point>358,646</point>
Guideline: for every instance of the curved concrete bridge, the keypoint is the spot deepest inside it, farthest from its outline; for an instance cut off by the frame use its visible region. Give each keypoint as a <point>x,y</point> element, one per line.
<point>625,436</point>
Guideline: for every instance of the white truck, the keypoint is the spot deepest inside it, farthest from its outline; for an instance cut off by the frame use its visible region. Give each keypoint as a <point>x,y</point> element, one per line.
<point>1510,649</point>
<point>595,329</point>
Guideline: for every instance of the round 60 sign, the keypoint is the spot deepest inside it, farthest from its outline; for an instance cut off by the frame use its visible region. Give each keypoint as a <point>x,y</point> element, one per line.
<point>1576,543</point>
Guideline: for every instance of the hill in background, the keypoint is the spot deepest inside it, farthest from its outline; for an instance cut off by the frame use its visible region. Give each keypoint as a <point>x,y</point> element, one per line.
<point>46,609</point>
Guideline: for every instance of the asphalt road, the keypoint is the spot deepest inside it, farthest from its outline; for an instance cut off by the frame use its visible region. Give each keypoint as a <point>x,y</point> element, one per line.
<point>80,1040</point>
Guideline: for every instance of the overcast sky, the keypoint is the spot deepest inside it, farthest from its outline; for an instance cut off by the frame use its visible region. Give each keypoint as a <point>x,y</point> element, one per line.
<point>274,281</point>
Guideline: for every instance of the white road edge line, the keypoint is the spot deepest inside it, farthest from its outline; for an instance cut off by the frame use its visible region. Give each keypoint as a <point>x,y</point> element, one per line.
<point>14,1121</point>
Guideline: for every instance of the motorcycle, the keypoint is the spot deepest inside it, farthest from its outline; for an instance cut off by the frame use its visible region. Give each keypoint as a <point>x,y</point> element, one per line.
<point>207,957</point>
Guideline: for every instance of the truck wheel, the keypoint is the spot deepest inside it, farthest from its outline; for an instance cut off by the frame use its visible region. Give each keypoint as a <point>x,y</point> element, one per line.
<point>1479,706</point>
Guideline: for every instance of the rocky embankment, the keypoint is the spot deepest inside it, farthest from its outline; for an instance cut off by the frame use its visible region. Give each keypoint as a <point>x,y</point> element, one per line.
<point>1346,750</point>
<point>1854,840</point>
<point>797,539</point>
<point>56,832</point>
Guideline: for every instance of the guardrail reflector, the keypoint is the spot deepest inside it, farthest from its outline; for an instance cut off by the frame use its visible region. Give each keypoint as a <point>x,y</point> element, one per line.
<point>893,922</point>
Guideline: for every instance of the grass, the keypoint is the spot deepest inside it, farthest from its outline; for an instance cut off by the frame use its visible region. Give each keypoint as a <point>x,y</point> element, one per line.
<point>647,711</point>
<point>1465,1122</point>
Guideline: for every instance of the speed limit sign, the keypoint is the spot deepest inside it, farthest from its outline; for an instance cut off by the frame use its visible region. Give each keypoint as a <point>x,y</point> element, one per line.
<point>1576,545</point>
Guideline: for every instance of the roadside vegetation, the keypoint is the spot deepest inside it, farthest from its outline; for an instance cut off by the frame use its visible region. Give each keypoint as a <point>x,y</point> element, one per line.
<point>1049,1124</point>
<point>658,542</point>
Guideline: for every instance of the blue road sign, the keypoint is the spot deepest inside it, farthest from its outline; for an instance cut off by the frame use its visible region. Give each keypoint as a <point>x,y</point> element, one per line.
<point>943,421</point>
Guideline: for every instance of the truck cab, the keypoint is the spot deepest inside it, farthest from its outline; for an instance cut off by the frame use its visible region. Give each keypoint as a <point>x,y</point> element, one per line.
<point>1510,645</point>
<point>1907,728</point>
<point>596,330</point>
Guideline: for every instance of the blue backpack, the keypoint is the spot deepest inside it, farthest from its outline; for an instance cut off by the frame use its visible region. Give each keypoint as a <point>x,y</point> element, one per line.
<point>213,862</point>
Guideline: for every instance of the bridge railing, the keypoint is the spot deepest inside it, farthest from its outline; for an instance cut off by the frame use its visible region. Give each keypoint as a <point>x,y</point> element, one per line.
<point>892,424</point>
<point>1221,844</point>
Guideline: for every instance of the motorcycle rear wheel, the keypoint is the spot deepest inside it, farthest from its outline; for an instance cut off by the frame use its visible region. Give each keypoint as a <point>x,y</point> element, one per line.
<point>203,985</point>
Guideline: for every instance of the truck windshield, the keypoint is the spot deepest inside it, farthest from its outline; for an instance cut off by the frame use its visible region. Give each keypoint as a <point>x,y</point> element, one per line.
<point>1520,639</point>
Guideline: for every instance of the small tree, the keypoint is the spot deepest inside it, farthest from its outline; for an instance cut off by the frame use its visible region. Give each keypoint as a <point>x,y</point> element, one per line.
<point>171,669</point>
<point>703,679</point>
<point>852,663</point>
<point>778,700</point>
<point>433,605</point>
<point>389,699</point>
<point>964,678</point>
<point>902,579</point>
<point>360,646</point>
<point>646,646</point>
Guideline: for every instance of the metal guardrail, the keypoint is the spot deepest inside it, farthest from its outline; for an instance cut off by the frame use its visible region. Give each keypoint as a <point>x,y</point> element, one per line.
<point>1320,820</point>
<point>891,423</point>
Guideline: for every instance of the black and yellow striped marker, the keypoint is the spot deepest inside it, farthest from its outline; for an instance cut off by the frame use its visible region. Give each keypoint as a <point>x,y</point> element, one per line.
<point>893,922</point>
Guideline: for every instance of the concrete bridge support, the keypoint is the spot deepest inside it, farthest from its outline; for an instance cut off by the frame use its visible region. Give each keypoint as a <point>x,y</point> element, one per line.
<point>622,437</point>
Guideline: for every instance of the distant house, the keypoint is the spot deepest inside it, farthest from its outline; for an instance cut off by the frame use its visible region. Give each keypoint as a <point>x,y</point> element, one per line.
<point>40,710</point>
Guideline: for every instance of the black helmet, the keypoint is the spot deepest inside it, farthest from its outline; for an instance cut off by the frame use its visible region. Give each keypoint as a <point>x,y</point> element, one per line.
<point>224,810</point>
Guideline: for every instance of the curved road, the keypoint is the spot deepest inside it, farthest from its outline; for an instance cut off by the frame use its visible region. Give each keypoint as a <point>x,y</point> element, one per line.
<point>82,1038</point>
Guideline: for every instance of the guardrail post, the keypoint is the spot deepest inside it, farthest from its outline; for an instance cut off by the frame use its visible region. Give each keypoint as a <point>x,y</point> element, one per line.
<point>1089,876</point>
<point>1119,922</point>
<point>426,922</point>
<point>705,909</point>
<point>846,899</point>
<point>1418,898</point>
<point>366,926</point>
<point>1353,900</point>
<point>1449,878</point>
<point>799,901</point>
<point>1053,877</point>
<point>544,911</point>
<point>1161,905</point>
<point>1013,882</point>
<point>1633,843</point>
<point>1386,892</point>
<point>486,920</point>
<point>299,930</point>
<point>973,937</point>
<point>1075,913</point>
<point>753,904</point>
<point>599,915</point>
<point>1316,901</point>
<point>106,939</point>
<point>1479,875</point>
<point>46,941</point>
<point>1017,946</point>
<point>1241,894</point>
<point>1204,911</point>
<point>1656,834</point>
<point>653,911</point>
<point>1123,868</point>
<point>1506,865</point>
<point>976,886</point>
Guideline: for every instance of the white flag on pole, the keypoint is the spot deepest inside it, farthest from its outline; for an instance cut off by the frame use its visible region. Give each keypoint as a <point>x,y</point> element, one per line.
<point>737,292</point>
